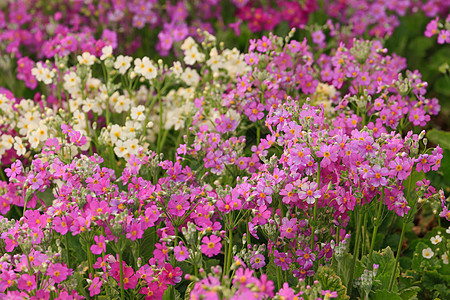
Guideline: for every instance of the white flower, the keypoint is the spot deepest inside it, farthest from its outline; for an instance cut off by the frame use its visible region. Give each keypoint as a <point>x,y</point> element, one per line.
<point>177,69</point>
<point>33,139</point>
<point>448,230</point>
<point>123,63</point>
<point>436,239</point>
<point>215,60</point>
<point>188,43</point>
<point>115,133</point>
<point>7,141</point>
<point>427,253</point>
<point>145,68</point>
<point>18,146</point>
<point>42,73</point>
<point>120,150</point>
<point>86,59</point>
<point>190,76</point>
<point>445,258</point>
<point>132,146</point>
<point>122,104</point>
<point>130,128</point>
<point>137,113</point>
<point>106,52</point>
<point>72,82</point>
<point>192,55</point>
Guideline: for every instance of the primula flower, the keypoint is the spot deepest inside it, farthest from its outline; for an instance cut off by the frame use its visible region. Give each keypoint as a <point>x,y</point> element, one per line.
<point>427,253</point>
<point>444,37</point>
<point>26,282</point>
<point>329,294</point>
<point>309,192</point>
<point>282,260</point>
<point>289,228</point>
<point>243,276</point>
<point>436,239</point>
<point>211,245</point>
<point>95,287</point>
<point>377,176</point>
<point>99,246</point>
<point>171,275</point>
<point>258,261</point>
<point>305,257</point>
<point>178,205</point>
<point>16,169</point>
<point>181,253</point>
<point>329,154</point>
<point>58,272</point>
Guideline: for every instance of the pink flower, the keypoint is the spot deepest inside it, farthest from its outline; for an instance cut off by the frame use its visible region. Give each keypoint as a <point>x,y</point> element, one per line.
<point>211,245</point>
<point>135,232</point>
<point>258,261</point>
<point>100,245</point>
<point>444,37</point>
<point>181,253</point>
<point>95,287</point>
<point>289,228</point>
<point>58,272</point>
<point>26,282</point>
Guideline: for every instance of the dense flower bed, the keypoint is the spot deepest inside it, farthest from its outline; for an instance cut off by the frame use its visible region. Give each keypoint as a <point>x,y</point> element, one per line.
<point>273,172</point>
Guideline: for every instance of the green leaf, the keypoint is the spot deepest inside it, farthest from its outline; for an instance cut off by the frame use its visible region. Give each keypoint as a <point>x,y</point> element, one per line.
<point>439,137</point>
<point>409,293</point>
<point>383,295</point>
<point>188,291</point>
<point>330,281</point>
<point>435,281</point>
<point>418,257</point>
<point>385,261</point>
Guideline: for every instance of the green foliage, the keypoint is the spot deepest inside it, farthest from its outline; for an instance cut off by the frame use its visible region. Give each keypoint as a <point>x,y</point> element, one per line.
<point>330,281</point>
<point>386,261</point>
<point>439,137</point>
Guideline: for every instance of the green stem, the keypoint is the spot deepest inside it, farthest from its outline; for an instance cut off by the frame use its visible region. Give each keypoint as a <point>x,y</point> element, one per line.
<point>399,249</point>
<point>315,209</point>
<point>377,224</point>
<point>89,256</point>
<point>258,134</point>
<point>355,253</point>
<point>364,242</point>
<point>279,277</point>
<point>230,250</point>
<point>122,291</point>
<point>66,243</point>
<point>160,120</point>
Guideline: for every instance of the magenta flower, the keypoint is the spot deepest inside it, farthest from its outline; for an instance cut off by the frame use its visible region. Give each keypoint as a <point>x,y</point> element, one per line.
<point>178,205</point>
<point>181,253</point>
<point>135,232</point>
<point>258,261</point>
<point>444,37</point>
<point>305,257</point>
<point>99,246</point>
<point>263,44</point>
<point>289,228</point>
<point>60,224</point>
<point>16,169</point>
<point>282,260</point>
<point>58,272</point>
<point>377,176</point>
<point>26,282</point>
<point>211,245</point>
<point>329,294</point>
<point>309,192</point>
<point>95,287</point>
<point>329,154</point>
<point>171,275</point>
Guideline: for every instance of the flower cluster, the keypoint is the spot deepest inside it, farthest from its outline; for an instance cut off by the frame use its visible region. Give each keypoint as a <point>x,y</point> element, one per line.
<point>242,173</point>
